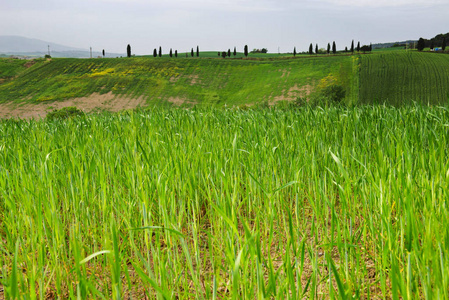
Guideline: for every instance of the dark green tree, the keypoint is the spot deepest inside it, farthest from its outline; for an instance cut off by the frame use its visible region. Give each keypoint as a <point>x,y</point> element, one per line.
<point>176,53</point>
<point>128,50</point>
<point>311,49</point>
<point>155,52</point>
<point>160,51</point>
<point>171,53</point>
<point>358,47</point>
<point>229,52</point>
<point>294,51</point>
<point>443,45</point>
<point>191,52</point>
<point>328,48</point>
<point>352,47</point>
<point>346,49</point>
<point>245,50</point>
<point>370,47</point>
<point>365,48</point>
<point>219,54</point>
<point>334,48</point>
<point>223,54</point>
<point>316,49</point>
<point>431,44</point>
<point>197,51</point>
<point>235,51</point>
<point>421,44</point>
<point>104,54</point>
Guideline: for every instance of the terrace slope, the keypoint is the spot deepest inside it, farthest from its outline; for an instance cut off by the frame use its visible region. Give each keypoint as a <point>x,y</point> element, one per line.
<point>400,77</point>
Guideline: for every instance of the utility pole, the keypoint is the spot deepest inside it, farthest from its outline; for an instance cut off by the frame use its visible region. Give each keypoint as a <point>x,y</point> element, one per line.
<point>90,52</point>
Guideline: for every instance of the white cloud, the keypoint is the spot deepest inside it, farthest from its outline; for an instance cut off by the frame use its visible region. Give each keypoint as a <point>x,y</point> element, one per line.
<point>385,3</point>
<point>222,5</point>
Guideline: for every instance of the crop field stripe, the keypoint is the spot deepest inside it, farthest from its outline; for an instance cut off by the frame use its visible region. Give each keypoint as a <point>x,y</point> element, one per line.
<point>401,77</point>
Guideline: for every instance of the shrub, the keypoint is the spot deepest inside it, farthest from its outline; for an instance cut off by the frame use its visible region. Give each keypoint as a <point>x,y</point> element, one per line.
<point>64,113</point>
<point>331,89</point>
<point>335,93</point>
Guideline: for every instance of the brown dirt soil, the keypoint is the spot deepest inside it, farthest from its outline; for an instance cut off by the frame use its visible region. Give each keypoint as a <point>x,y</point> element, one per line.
<point>194,79</point>
<point>109,102</point>
<point>294,92</point>
<point>30,63</point>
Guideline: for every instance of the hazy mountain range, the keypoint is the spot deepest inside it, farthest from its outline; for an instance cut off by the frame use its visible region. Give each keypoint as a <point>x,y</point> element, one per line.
<point>17,45</point>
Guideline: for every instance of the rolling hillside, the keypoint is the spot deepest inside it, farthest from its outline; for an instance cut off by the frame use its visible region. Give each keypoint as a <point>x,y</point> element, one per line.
<point>202,81</point>
<point>391,77</point>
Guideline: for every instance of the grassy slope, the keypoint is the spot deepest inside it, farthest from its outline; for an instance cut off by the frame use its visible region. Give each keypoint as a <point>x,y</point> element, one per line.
<point>10,68</point>
<point>211,81</point>
<point>399,77</point>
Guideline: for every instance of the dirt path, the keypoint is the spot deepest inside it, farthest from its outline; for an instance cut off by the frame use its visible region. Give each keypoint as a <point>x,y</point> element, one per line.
<point>109,102</point>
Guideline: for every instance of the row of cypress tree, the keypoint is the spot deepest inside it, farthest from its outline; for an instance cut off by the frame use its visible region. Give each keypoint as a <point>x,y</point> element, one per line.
<point>156,53</point>
<point>364,48</point>
<point>228,53</point>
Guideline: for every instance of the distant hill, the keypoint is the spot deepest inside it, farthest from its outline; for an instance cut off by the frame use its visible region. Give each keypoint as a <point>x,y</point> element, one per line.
<point>393,44</point>
<point>21,46</point>
<point>17,44</point>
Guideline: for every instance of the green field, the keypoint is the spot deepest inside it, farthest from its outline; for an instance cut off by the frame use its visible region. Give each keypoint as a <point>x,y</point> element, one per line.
<point>9,68</point>
<point>400,77</point>
<point>200,81</point>
<point>394,77</point>
<point>210,204</point>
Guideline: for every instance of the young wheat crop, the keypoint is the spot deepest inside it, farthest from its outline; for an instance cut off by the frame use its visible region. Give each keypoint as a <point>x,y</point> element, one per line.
<point>203,203</point>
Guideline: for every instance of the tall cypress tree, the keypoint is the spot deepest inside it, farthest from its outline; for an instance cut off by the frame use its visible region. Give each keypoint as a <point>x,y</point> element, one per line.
<point>155,52</point>
<point>235,51</point>
<point>176,53</point>
<point>370,47</point>
<point>311,49</point>
<point>229,52</point>
<point>316,49</point>
<point>334,48</point>
<point>128,50</point>
<point>421,44</point>
<point>160,51</point>
<point>294,51</point>
<point>358,47</point>
<point>171,53</point>
<point>191,52</point>
<point>352,47</point>
<point>246,50</point>
<point>197,51</point>
<point>104,53</point>
<point>328,48</point>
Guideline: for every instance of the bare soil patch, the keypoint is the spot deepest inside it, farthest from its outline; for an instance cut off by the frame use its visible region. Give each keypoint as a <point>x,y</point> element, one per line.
<point>293,93</point>
<point>29,64</point>
<point>108,102</point>
<point>194,79</point>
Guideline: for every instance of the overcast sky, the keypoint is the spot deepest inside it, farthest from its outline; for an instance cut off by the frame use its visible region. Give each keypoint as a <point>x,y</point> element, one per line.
<point>221,24</point>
